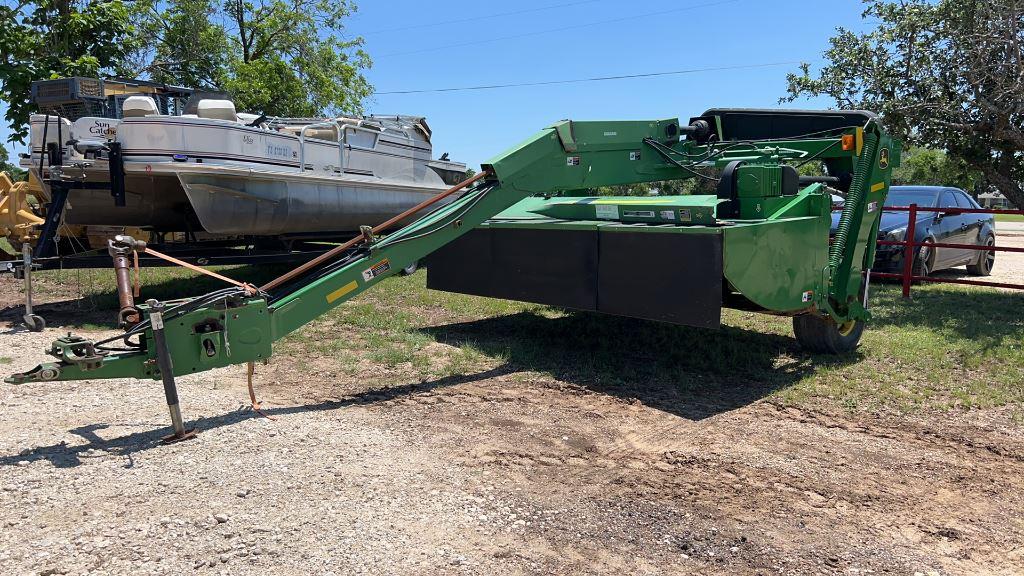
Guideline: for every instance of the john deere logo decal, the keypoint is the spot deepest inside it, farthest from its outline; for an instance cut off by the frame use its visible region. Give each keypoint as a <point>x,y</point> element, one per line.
<point>883,159</point>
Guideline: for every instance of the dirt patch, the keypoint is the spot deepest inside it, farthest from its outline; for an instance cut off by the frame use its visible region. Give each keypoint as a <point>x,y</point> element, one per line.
<point>442,460</point>
<point>490,472</point>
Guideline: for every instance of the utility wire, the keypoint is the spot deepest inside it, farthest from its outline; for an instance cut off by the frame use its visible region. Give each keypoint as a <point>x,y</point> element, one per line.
<point>594,79</point>
<point>476,18</point>
<point>560,29</point>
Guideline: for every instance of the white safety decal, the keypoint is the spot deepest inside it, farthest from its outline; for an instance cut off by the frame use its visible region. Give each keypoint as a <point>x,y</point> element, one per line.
<point>376,270</point>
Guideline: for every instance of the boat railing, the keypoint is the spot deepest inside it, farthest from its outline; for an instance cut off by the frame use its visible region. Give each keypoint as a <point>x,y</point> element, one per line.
<point>342,130</point>
<point>341,143</point>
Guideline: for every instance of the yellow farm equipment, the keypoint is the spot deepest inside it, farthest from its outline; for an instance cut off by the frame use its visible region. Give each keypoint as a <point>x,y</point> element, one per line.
<point>17,219</point>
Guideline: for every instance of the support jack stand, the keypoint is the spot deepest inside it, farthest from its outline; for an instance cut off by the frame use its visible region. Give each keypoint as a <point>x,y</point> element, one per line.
<point>167,374</point>
<point>34,322</point>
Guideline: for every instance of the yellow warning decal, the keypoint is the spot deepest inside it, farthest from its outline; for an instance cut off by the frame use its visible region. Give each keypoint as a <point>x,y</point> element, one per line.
<point>877,187</point>
<point>341,291</point>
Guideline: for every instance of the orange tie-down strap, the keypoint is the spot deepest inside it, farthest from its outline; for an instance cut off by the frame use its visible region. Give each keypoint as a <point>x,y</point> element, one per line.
<point>256,406</point>
<point>249,288</point>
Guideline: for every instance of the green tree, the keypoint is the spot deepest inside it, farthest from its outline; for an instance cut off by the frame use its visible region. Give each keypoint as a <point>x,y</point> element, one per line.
<point>55,38</point>
<point>189,48</point>
<point>929,167</point>
<point>275,57</point>
<point>269,87</point>
<point>306,36</point>
<point>944,74</point>
<point>15,173</point>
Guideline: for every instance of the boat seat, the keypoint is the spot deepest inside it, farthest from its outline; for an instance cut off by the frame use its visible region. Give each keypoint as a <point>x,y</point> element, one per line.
<point>217,110</point>
<point>329,134</point>
<point>138,106</point>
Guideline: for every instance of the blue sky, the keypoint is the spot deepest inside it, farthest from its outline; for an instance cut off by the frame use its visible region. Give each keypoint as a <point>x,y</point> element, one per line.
<point>554,40</point>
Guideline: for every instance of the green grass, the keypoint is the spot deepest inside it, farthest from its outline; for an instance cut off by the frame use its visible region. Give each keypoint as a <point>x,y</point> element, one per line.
<point>949,348</point>
<point>1009,218</point>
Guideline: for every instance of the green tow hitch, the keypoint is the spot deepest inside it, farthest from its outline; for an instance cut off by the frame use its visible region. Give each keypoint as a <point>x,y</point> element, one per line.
<point>76,357</point>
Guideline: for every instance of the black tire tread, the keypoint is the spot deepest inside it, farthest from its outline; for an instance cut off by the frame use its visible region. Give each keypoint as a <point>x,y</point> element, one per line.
<point>977,269</point>
<point>820,335</point>
<point>921,268</point>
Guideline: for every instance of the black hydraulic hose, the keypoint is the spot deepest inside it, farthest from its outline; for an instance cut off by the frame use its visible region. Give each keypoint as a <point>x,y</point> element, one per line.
<point>819,154</point>
<point>819,180</point>
<point>329,267</point>
<point>712,149</point>
<point>60,144</point>
<point>175,312</point>
<point>313,275</point>
<point>657,148</point>
<point>225,293</point>
<point>42,147</point>
<point>440,225</point>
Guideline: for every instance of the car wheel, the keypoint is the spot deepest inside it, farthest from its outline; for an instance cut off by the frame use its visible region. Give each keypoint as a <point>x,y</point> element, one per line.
<point>986,260</point>
<point>924,261</point>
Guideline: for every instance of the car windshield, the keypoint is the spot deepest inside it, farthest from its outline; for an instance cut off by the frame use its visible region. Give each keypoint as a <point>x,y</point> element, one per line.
<point>908,197</point>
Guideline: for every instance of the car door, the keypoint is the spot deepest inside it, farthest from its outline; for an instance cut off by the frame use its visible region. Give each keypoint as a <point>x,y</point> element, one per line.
<point>972,223</point>
<point>947,230</point>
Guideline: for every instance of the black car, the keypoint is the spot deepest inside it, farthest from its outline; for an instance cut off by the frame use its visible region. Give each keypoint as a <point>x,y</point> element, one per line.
<point>978,229</point>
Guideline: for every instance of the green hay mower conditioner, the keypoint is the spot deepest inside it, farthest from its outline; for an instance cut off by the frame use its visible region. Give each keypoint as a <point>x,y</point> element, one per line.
<point>529,227</point>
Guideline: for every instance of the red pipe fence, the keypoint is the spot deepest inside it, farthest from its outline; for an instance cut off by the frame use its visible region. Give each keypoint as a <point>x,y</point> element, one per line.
<point>910,244</point>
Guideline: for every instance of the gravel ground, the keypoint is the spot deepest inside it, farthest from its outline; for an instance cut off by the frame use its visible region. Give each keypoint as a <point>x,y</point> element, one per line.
<point>1009,266</point>
<point>489,473</point>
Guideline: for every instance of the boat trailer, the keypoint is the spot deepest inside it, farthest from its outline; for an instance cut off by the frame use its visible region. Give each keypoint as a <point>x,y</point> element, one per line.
<point>528,227</point>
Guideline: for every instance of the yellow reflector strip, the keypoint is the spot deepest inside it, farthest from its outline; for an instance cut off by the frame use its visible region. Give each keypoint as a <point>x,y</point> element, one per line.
<point>341,291</point>
<point>860,139</point>
<point>877,187</point>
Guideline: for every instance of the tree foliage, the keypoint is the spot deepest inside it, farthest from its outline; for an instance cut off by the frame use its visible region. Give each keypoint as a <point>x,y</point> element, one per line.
<point>188,47</point>
<point>945,74</point>
<point>15,172</point>
<point>930,167</point>
<point>56,38</point>
<point>275,57</point>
